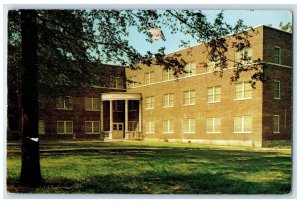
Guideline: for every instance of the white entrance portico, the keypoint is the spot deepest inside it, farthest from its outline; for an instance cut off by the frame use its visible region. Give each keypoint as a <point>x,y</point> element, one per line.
<point>117,125</point>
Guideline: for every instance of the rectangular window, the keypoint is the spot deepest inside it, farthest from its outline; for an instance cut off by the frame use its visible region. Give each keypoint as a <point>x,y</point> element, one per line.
<point>118,106</point>
<point>64,127</point>
<point>189,97</point>
<point>116,82</point>
<point>276,124</point>
<point>168,100</point>
<point>189,125</point>
<point>132,105</point>
<point>213,125</point>
<point>150,128</point>
<point>168,126</point>
<point>41,127</point>
<point>91,104</point>
<point>132,125</point>
<point>243,124</point>
<point>190,69</point>
<point>149,78</point>
<point>243,90</point>
<point>276,90</point>
<point>64,103</point>
<point>131,82</point>
<point>92,127</point>
<point>243,57</point>
<point>214,94</point>
<point>167,75</point>
<point>277,55</point>
<point>150,102</point>
<point>212,67</point>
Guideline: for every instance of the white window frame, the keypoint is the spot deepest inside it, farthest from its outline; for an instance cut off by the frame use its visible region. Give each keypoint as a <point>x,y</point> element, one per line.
<point>132,84</point>
<point>167,75</point>
<point>191,125</point>
<point>214,131</point>
<point>211,67</point>
<point>170,103</point>
<point>93,102</point>
<point>65,128</point>
<point>190,98</point>
<point>116,106</point>
<point>148,77</point>
<point>93,126</point>
<point>190,69</point>
<point>243,91</point>
<point>114,82</point>
<point>214,94</point>
<point>279,89</point>
<point>241,61</point>
<point>279,56</point>
<point>65,106</point>
<point>169,129</point>
<point>131,106</point>
<point>278,124</point>
<point>131,125</point>
<point>150,102</point>
<point>243,124</point>
<point>40,126</point>
<point>150,127</point>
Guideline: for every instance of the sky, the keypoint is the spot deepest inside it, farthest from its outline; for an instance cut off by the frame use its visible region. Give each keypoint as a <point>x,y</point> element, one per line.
<point>251,18</point>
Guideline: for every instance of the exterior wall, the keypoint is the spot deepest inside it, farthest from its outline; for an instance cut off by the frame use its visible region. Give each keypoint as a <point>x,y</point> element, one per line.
<point>278,72</point>
<point>227,109</point>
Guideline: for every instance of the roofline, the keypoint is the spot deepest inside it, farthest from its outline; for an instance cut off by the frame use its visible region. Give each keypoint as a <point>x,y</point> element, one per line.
<point>255,27</point>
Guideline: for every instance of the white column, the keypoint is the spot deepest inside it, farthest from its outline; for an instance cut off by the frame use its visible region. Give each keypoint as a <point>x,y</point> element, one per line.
<point>140,116</point>
<point>110,118</point>
<point>126,119</point>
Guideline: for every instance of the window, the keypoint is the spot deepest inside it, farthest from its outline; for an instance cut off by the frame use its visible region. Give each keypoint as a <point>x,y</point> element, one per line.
<point>276,90</point>
<point>167,75</point>
<point>243,57</point>
<point>213,125</point>
<point>189,97</point>
<point>118,106</point>
<point>41,102</point>
<point>150,127</point>
<point>150,102</point>
<point>243,124</point>
<point>116,82</point>
<point>64,127</point>
<point>92,127</point>
<point>212,67</point>
<point>132,125</point>
<point>214,94</point>
<point>276,122</point>
<point>243,90</point>
<point>189,125</point>
<point>149,78</point>
<point>132,82</point>
<point>190,69</point>
<point>168,126</point>
<point>168,100</point>
<point>91,104</point>
<point>132,105</point>
<point>65,103</point>
<point>41,127</point>
<point>277,55</point>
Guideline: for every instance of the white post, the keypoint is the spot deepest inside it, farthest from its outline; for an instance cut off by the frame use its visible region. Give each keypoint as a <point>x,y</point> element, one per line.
<point>126,119</point>
<point>140,116</point>
<point>110,118</point>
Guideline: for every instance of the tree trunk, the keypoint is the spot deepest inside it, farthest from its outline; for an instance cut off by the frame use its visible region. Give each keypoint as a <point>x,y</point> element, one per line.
<point>30,170</point>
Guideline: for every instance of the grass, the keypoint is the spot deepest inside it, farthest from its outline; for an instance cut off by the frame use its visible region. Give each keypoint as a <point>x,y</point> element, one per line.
<point>154,168</point>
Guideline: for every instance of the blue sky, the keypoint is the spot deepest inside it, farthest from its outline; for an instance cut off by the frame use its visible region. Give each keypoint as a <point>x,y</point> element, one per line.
<point>250,18</point>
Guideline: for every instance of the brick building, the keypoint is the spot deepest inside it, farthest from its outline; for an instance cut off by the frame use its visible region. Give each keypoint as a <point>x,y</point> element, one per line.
<point>196,107</point>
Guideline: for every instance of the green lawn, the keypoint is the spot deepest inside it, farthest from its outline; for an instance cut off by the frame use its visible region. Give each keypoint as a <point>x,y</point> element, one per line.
<point>155,168</point>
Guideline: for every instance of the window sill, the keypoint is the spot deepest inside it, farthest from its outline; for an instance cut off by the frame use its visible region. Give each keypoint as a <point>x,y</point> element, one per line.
<point>165,107</point>
<point>277,98</point>
<point>242,132</point>
<point>213,132</point>
<point>214,102</point>
<point>189,104</point>
<point>189,132</point>
<point>242,99</point>
<point>276,132</point>
<point>149,108</point>
<point>168,132</point>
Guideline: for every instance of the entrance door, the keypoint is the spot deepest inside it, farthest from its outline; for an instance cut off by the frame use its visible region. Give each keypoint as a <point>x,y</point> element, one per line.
<point>118,131</point>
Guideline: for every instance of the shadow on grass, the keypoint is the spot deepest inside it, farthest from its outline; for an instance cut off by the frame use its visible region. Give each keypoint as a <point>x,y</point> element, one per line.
<point>206,171</point>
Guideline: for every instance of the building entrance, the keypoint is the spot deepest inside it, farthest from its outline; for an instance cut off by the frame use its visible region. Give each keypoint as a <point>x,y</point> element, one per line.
<point>118,131</point>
